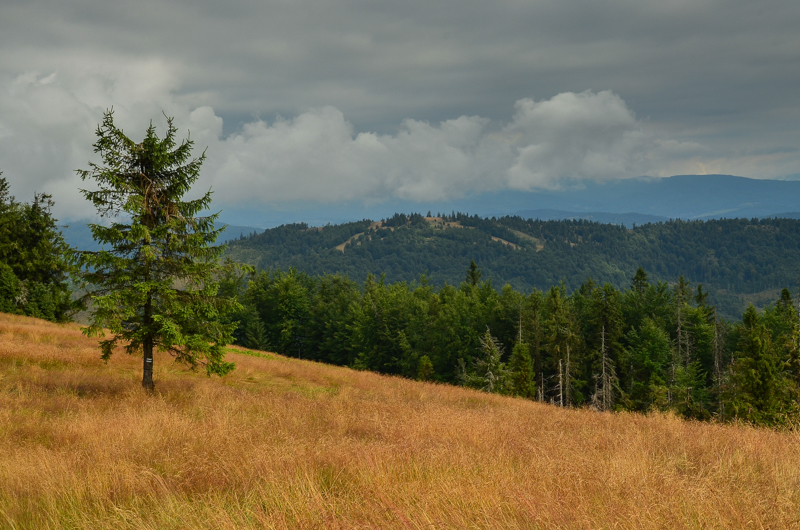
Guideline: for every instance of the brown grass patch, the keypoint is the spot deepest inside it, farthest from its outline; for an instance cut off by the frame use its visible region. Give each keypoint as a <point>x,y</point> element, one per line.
<point>283,443</point>
<point>506,243</point>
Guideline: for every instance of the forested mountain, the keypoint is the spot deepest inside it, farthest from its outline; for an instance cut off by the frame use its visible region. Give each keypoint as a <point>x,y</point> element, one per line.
<point>738,261</point>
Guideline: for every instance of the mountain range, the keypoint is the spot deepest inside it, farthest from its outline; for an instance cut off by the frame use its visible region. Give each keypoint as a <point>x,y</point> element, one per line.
<point>637,200</point>
<point>625,202</point>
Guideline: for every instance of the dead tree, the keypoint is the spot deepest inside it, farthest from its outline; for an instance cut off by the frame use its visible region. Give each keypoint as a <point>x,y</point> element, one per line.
<point>603,398</point>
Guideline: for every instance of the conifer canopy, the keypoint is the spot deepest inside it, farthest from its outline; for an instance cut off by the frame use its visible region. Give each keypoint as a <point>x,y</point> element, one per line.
<point>154,284</point>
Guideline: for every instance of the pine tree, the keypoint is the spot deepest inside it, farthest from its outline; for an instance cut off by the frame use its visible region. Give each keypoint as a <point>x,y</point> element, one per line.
<point>649,355</point>
<point>606,357</point>
<point>36,261</point>
<point>639,284</point>
<point>521,374</point>
<point>425,371</point>
<point>560,337</point>
<point>487,372</point>
<point>473,274</point>
<point>155,287</point>
<point>606,381</point>
<point>759,385</point>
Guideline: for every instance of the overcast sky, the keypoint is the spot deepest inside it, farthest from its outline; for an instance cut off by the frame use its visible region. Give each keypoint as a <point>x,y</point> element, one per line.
<point>322,101</point>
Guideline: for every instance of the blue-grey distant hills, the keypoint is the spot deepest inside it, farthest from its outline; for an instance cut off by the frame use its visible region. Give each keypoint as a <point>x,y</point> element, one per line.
<point>682,196</point>
<point>637,200</point>
<point>78,235</point>
<point>624,202</point>
<point>656,199</point>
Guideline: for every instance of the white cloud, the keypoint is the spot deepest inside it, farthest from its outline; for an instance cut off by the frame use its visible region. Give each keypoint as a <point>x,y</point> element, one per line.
<point>720,74</point>
<point>576,136</point>
<point>317,156</point>
<point>48,119</point>
<point>47,123</point>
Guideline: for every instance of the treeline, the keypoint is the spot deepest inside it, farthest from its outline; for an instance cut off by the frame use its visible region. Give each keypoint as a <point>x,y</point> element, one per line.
<point>737,260</point>
<point>651,346</point>
<point>35,262</point>
<point>648,345</point>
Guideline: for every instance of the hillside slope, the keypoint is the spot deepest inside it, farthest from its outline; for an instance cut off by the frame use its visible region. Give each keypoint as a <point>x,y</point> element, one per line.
<point>283,443</point>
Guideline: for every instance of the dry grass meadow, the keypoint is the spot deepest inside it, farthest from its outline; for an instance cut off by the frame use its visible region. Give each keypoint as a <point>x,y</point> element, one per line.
<point>284,443</point>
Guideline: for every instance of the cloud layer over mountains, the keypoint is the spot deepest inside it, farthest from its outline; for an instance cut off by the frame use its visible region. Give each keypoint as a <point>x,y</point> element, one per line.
<point>421,99</point>
<point>317,155</point>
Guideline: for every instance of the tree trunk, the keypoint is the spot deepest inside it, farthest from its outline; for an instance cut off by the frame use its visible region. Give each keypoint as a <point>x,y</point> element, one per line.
<point>147,375</point>
<point>603,360</point>
<point>147,347</point>
<point>680,335</point>
<point>560,386</point>
<point>568,386</point>
<point>798,311</point>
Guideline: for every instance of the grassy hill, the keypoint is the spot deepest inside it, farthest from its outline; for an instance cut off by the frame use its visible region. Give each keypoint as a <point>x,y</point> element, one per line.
<point>285,443</point>
<point>738,260</point>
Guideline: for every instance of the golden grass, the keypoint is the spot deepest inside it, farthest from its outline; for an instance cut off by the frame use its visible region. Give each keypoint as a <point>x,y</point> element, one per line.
<point>283,443</point>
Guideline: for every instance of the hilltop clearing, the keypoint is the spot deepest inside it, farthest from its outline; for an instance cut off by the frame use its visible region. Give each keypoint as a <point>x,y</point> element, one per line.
<point>285,443</point>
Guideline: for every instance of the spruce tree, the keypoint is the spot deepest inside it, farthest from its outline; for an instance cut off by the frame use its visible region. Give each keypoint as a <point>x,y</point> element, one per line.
<point>36,263</point>
<point>521,374</point>
<point>473,274</point>
<point>560,337</point>
<point>154,285</point>
<point>425,370</point>
<point>488,372</point>
<point>759,384</point>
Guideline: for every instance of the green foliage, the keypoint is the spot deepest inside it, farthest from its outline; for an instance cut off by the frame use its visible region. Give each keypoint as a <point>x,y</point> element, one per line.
<point>10,289</point>
<point>35,262</point>
<point>520,367</point>
<point>760,391</point>
<point>487,372</point>
<point>649,354</point>
<point>596,346</point>
<point>425,369</point>
<point>735,260</point>
<point>282,303</point>
<point>156,285</point>
<point>473,274</point>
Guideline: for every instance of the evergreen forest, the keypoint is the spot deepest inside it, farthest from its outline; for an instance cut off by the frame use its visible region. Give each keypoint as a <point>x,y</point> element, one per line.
<point>572,313</point>
<point>35,262</point>
<point>649,346</point>
<point>738,261</point>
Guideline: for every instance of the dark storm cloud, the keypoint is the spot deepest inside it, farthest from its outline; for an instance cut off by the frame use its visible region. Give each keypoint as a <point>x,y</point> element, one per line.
<point>686,86</point>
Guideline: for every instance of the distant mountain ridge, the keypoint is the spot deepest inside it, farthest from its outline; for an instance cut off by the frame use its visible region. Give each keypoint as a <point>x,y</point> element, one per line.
<point>681,196</point>
<point>625,219</point>
<point>694,196</point>
<point>678,197</point>
<point>78,235</point>
<point>624,202</point>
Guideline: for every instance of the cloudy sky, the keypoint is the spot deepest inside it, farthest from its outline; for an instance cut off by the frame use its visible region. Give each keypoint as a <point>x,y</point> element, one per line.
<point>313,102</point>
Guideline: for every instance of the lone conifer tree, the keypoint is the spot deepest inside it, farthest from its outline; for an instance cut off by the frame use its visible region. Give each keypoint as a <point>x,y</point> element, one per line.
<point>473,274</point>
<point>154,284</point>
